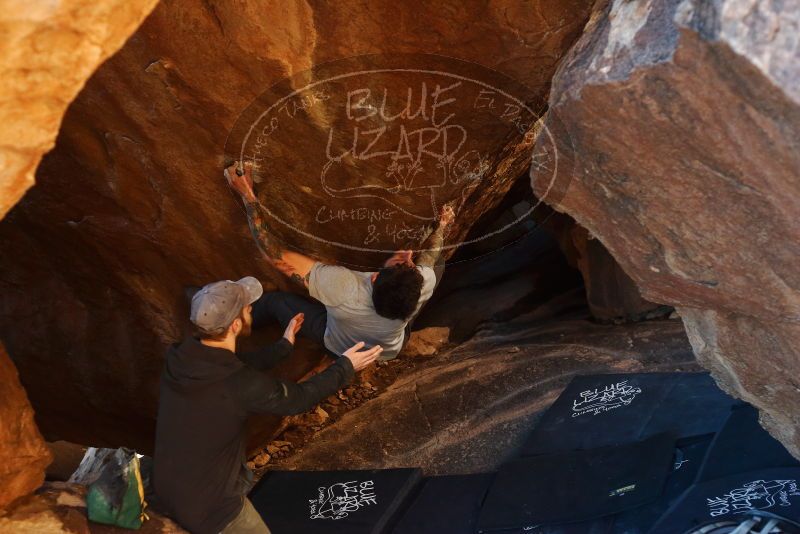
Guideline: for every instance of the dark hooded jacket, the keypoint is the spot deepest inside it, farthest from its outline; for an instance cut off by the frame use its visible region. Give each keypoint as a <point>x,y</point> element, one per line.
<point>199,471</point>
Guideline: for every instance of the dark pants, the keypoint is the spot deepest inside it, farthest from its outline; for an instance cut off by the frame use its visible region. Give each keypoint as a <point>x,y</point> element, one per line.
<point>282,306</point>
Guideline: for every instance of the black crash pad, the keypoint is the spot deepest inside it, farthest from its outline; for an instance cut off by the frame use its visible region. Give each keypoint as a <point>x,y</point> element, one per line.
<point>577,486</point>
<point>772,490</point>
<point>332,502</point>
<point>446,504</point>
<point>603,410</point>
<point>596,526</point>
<point>687,460</point>
<point>743,445</point>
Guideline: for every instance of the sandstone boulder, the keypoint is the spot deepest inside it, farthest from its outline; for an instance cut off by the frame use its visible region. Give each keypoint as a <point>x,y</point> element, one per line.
<point>48,51</point>
<point>131,208</point>
<point>23,454</point>
<point>678,126</point>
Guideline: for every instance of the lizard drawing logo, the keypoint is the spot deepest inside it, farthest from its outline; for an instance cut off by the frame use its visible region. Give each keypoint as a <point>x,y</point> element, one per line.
<point>339,500</point>
<point>755,495</point>
<point>597,401</point>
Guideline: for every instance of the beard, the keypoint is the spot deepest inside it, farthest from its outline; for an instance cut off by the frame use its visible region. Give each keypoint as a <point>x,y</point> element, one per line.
<point>247,327</point>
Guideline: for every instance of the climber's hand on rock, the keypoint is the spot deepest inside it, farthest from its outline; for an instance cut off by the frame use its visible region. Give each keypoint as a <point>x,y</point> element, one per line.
<point>294,327</point>
<point>362,358</point>
<point>241,184</point>
<point>447,215</point>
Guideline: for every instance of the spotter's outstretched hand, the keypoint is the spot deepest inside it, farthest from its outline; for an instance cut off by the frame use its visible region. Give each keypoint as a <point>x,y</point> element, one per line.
<point>241,184</point>
<point>362,358</point>
<point>294,327</point>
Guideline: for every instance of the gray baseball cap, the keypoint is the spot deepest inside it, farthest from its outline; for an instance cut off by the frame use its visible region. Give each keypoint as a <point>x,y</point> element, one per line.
<point>216,305</point>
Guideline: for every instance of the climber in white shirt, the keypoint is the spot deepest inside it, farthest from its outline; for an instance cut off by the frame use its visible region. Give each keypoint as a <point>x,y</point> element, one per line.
<point>374,307</point>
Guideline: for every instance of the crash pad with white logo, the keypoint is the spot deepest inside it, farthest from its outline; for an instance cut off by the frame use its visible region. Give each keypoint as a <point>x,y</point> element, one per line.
<point>333,502</point>
<point>605,410</point>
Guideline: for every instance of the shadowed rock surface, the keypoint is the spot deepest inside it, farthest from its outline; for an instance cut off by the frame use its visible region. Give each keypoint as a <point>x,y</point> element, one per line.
<point>678,125</point>
<point>130,207</point>
<point>47,53</point>
<point>499,281</point>
<point>610,293</point>
<point>470,409</point>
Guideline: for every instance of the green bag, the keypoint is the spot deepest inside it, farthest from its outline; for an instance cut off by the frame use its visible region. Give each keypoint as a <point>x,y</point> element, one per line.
<point>117,496</point>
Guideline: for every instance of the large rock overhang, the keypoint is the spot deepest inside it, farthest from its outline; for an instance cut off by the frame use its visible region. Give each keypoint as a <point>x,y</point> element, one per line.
<point>678,126</point>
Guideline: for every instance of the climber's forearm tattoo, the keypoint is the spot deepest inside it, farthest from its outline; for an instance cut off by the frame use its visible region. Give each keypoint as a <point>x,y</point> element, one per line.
<point>434,244</point>
<point>277,255</point>
<point>292,273</point>
<point>256,219</point>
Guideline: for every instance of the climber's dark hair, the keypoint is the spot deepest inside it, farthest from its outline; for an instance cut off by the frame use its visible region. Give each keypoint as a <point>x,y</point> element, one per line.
<point>396,291</point>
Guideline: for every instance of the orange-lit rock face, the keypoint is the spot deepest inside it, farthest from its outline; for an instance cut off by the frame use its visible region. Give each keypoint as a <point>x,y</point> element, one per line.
<point>683,125</point>
<point>386,141</point>
<point>61,507</point>
<point>48,51</point>
<point>131,206</point>
<point>23,454</point>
